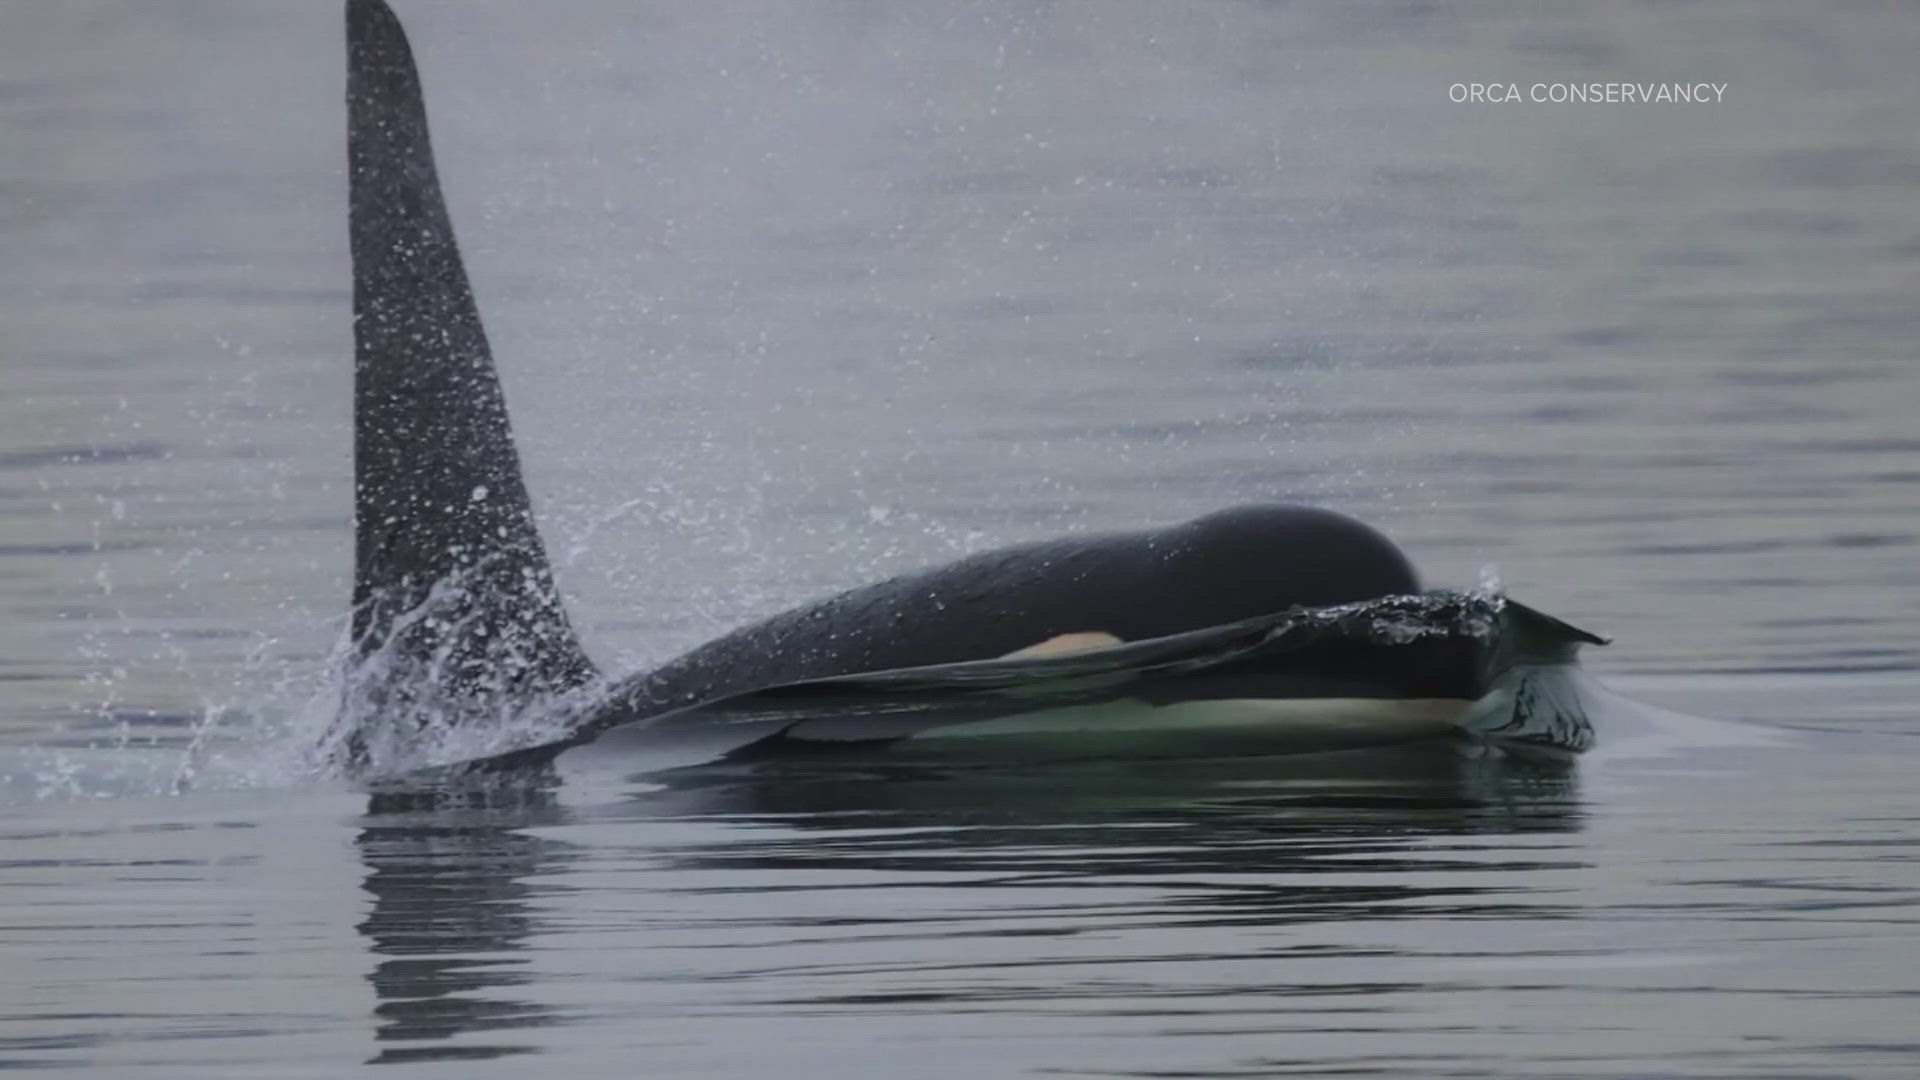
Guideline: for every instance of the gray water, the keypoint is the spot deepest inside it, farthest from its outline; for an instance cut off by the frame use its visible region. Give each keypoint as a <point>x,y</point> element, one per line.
<point>789,297</point>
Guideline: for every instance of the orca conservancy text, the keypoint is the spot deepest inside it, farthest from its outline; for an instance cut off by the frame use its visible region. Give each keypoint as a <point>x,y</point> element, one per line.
<point>1589,93</point>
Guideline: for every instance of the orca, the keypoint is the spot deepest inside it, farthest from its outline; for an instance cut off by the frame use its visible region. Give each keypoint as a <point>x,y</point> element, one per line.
<point>1216,632</point>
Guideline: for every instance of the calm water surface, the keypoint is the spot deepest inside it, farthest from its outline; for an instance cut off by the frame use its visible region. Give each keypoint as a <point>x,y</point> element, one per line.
<point>789,297</point>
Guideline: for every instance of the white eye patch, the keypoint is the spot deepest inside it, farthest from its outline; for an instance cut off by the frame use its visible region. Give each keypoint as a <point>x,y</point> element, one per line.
<point>1064,644</point>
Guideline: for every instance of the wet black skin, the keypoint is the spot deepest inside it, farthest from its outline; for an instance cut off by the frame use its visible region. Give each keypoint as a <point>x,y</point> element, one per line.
<point>1224,567</point>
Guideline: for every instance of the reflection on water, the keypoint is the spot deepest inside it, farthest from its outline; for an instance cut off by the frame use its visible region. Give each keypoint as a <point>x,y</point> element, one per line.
<point>1428,787</point>
<point>450,887</point>
<point>1243,843</point>
<point>1692,901</point>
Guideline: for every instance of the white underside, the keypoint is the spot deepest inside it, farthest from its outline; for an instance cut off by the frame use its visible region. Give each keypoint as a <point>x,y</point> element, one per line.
<point>1380,717</point>
<point>1131,727</point>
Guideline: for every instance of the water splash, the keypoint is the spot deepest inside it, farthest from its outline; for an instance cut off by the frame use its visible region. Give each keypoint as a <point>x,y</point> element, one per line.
<point>399,708</point>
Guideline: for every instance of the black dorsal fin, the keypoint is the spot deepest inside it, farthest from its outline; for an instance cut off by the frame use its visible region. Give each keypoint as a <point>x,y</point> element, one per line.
<point>452,591</point>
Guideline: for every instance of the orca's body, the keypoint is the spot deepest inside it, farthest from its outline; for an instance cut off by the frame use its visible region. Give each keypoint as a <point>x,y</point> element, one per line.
<point>1258,618</point>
